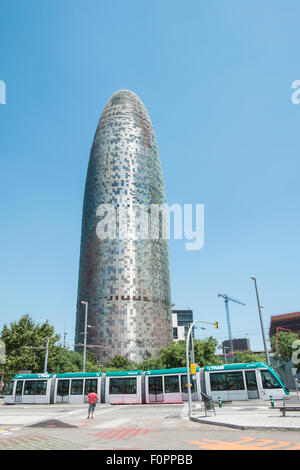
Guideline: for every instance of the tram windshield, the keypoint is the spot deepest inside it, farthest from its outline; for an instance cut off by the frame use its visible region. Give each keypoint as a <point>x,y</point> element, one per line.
<point>10,388</point>
<point>268,380</point>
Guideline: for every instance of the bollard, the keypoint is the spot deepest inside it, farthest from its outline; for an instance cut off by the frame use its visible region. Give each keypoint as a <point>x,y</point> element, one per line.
<point>272,401</point>
<point>220,402</point>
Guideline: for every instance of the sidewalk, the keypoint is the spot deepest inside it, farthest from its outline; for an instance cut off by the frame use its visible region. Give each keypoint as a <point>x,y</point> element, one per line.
<point>256,415</point>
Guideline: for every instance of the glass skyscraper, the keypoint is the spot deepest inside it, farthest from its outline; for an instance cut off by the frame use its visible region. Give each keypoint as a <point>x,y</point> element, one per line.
<point>124,268</point>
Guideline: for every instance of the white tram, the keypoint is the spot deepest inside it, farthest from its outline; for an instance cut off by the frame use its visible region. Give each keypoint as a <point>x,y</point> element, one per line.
<point>228,382</point>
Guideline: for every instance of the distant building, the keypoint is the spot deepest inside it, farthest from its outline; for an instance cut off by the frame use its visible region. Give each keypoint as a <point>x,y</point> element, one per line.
<point>239,345</point>
<point>288,321</point>
<point>178,331</point>
<point>184,319</point>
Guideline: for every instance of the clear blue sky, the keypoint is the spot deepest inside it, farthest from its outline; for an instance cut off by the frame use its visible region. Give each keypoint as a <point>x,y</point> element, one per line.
<point>216,79</point>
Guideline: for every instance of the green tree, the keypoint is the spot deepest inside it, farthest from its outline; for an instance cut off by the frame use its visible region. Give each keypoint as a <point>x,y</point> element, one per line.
<point>205,352</point>
<point>71,361</point>
<point>175,355</point>
<point>25,343</point>
<point>118,362</point>
<point>281,345</point>
<point>150,363</point>
<point>247,357</point>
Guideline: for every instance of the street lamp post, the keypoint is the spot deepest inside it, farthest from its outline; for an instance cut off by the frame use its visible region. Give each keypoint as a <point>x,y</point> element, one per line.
<point>188,364</point>
<point>46,357</point>
<point>261,322</point>
<point>85,334</point>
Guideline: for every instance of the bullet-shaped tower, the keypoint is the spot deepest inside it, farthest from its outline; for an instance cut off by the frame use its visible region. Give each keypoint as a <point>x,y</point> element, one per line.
<point>124,264</point>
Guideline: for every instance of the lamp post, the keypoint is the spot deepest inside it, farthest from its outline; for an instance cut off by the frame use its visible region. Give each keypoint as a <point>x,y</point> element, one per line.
<point>261,322</point>
<point>85,334</point>
<point>187,361</point>
<point>46,357</point>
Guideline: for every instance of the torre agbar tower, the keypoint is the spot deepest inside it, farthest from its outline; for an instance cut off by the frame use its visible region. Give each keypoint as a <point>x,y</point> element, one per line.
<point>124,278</point>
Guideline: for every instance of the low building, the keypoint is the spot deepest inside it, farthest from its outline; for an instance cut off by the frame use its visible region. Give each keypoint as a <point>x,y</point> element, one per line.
<point>238,344</point>
<point>287,321</point>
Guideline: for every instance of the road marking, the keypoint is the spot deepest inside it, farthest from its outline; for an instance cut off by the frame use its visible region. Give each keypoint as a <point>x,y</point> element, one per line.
<point>246,443</point>
<point>123,432</point>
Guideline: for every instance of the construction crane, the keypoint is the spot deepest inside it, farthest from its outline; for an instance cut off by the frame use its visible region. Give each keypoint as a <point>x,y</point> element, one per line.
<point>229,299</point>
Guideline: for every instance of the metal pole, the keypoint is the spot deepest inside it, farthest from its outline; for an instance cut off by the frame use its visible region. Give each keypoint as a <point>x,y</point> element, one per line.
<point>46,357</point>
<point>192,349</point>
<point>65,335</point>
<point>261,322</point>
<point>188,364</point>
<point>85,335</point>
<point>229,326</point>
<point>188,370</point>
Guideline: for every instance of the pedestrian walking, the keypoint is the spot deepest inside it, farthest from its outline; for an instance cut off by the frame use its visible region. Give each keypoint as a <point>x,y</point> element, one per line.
<point>92,399</point>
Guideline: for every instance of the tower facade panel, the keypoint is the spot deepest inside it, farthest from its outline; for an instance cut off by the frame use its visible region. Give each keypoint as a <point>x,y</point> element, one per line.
<point>124,269</point>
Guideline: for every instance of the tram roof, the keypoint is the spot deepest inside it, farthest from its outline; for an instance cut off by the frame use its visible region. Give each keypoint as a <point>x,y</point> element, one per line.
<point>32,376</point>
<point>238,366</point>
<point>81,375</point>
<point>124,373</point>
<point>178,370</point>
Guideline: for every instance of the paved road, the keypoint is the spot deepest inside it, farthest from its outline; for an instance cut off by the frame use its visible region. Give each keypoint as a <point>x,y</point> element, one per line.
<point>154,427</point>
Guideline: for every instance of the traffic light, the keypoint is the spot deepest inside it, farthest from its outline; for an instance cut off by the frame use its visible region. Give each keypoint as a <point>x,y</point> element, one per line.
<point>193,369</point>
<point>216,324</point>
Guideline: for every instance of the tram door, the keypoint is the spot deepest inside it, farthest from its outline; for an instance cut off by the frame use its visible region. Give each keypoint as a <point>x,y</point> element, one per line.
<point>251,384</point>
<point>184,388</point>
<point>62,393</point>
<point>19,389</point>
<point>155,389</point>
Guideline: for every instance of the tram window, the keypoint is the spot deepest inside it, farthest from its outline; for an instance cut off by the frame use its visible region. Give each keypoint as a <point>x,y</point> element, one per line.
<point>63,387</point>
<point>115,386</point>
<point>77,387</point>
<point>19,387</point>
<point>122,386</point>
<point>10,388</point>
<point>129,386</point>
<point>155,385</point>
<point>41,387</point>
<point>29,388</point>
<point>171,384</point>
<point>184,387</point>
<point>90,385</point>
<point>268,380</point>
<point>235,381</point>
<point>217,382</point>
